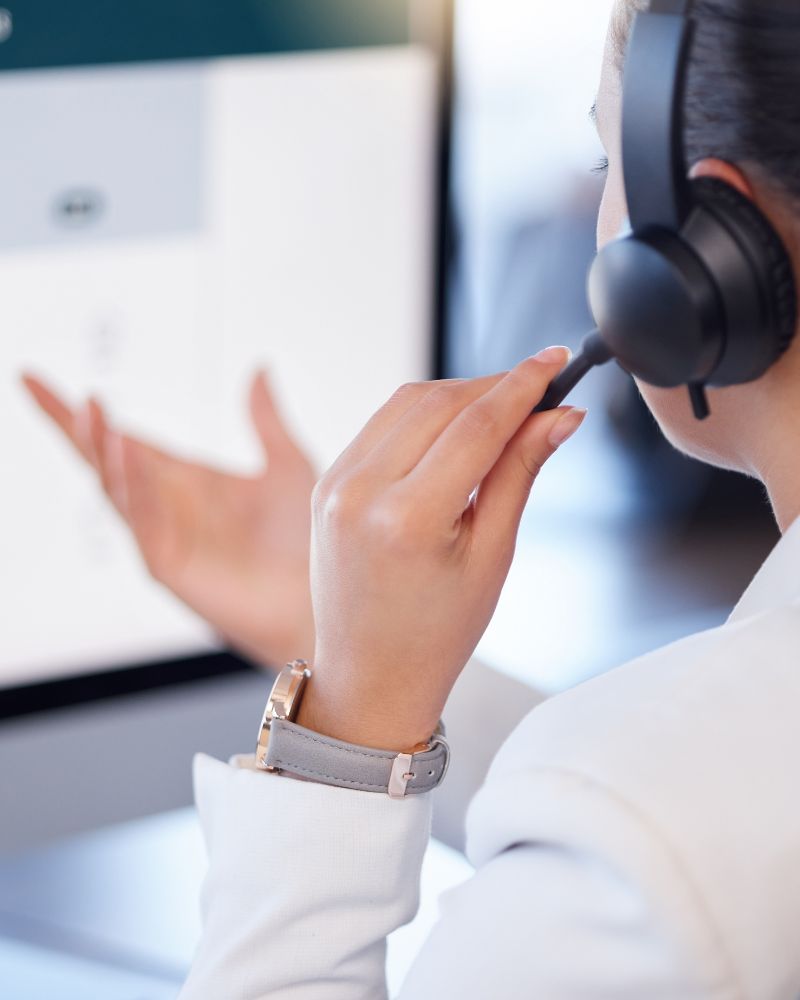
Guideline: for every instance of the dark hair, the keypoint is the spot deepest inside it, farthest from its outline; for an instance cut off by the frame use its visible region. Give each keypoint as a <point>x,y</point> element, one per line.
<point>743,85</point>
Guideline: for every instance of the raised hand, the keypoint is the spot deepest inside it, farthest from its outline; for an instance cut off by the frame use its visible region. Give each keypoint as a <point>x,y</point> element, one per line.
<point>413,536</point>
<point>235,549</point>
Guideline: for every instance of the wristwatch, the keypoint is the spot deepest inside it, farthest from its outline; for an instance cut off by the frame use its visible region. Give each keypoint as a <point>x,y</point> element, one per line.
<point>285,747</point>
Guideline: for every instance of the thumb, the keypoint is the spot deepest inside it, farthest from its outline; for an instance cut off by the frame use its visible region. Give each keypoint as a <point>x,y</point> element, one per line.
<point>264,413</point>
<point>505,491</point>
<point>280,447</point>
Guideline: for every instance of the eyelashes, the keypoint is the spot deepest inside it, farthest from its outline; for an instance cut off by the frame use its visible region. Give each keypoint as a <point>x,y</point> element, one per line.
<point>601,167</point>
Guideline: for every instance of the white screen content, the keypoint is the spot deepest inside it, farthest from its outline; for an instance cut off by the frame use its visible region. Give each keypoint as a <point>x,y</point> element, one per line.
<point>164,231</point>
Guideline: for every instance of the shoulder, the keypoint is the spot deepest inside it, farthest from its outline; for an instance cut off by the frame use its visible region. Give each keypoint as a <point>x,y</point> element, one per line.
<point>679,770</point>
<point>729,695</point>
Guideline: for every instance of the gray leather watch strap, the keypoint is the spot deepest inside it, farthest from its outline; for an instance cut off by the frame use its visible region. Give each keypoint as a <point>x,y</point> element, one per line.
<point>327,761</point>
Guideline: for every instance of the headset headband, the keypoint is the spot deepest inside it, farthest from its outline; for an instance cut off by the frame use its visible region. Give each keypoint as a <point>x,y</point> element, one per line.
<point>653,152</point>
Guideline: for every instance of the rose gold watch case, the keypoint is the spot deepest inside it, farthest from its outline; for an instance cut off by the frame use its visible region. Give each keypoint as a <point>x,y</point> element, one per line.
<point>284,703</point>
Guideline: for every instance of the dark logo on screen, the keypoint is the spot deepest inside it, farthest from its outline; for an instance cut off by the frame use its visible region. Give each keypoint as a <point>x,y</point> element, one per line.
<point>79,208</point>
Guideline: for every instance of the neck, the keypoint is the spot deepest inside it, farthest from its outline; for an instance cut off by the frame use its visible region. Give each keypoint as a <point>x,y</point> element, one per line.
<point>784,495</point>
<point>769,431</point>
<point>778,468</point>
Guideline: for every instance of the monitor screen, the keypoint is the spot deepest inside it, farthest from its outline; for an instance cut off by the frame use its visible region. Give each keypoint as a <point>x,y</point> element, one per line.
<point>191,192</point>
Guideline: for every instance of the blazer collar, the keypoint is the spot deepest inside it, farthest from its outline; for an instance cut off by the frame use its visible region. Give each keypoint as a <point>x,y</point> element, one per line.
<point>777,583</point>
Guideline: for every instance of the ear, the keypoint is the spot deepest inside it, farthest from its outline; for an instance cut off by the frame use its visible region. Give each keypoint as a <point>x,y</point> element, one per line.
<point>770,204</point>
<point>723,171</point>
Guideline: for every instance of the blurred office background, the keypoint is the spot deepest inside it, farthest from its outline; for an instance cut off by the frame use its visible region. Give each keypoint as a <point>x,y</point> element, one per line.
<point>625,546</point>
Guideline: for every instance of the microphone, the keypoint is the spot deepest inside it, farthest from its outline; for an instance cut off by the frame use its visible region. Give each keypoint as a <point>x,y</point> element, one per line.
<point>594,352</point>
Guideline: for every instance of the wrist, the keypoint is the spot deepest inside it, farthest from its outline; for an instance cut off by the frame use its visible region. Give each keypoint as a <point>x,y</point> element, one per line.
<point>368,722</point>
<point>355,757</point>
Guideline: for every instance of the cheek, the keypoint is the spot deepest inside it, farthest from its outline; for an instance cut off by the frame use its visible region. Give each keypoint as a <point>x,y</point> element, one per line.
<point>671,409</point>
<point>674,416</point>
<point>613,208</point>
<point>709,440</point>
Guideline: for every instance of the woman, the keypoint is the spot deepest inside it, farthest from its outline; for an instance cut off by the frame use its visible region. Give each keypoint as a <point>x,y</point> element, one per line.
<point>638,836</point>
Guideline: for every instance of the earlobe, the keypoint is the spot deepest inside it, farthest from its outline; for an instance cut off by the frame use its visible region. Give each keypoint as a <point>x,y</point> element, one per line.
<point>723,171</point>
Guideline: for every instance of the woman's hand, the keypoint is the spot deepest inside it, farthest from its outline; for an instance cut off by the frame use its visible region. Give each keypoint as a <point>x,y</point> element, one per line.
<point>235,549</point>
<point>414,530</point>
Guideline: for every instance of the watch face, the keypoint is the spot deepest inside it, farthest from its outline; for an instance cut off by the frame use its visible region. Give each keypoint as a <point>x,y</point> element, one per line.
<point>287,691</point>
<point>284,702</point>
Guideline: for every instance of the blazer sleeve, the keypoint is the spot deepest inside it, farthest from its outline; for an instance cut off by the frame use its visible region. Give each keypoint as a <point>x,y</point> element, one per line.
<point>304,884</point>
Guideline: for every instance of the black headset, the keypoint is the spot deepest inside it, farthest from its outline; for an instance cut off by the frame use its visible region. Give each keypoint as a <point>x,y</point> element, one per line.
<point>703,291</point>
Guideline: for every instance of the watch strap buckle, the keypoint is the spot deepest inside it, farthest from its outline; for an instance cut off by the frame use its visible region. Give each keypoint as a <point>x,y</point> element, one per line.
<point>403,766</point>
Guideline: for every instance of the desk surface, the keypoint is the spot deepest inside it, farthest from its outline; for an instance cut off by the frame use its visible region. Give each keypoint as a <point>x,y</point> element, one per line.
<point>113,915</point>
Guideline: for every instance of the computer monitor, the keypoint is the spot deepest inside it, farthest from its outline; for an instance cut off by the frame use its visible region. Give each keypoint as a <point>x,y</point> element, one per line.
<point>189,191</point>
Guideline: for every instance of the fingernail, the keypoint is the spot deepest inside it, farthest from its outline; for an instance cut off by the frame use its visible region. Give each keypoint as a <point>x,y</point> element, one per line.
<point>554,356</point>
<point>565,427</point>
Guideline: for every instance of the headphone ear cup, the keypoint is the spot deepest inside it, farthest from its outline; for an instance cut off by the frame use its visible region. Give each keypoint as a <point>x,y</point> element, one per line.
<point>771,269</point>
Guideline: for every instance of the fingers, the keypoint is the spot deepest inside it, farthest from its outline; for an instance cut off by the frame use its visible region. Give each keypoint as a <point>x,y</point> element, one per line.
<point>411,437</point>
<point>406,426</point>
<point>134,476</point>
<point>88,431</point>
<point>466,452</point>
<point>71,423</point>
<point>266,419</point>
<point>393,410</point>
<point>282,451</point>
<point>50,403</point>
<point>137,482</point>
<point>105,445</point>
<point>504,492</point>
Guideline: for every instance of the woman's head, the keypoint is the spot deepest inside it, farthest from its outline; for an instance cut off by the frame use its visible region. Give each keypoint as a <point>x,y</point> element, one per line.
<point>742,83</point>
<point>742,124</point>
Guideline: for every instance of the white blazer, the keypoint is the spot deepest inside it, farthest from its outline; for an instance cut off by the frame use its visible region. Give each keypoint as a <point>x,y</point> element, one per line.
<point>637,837</point>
